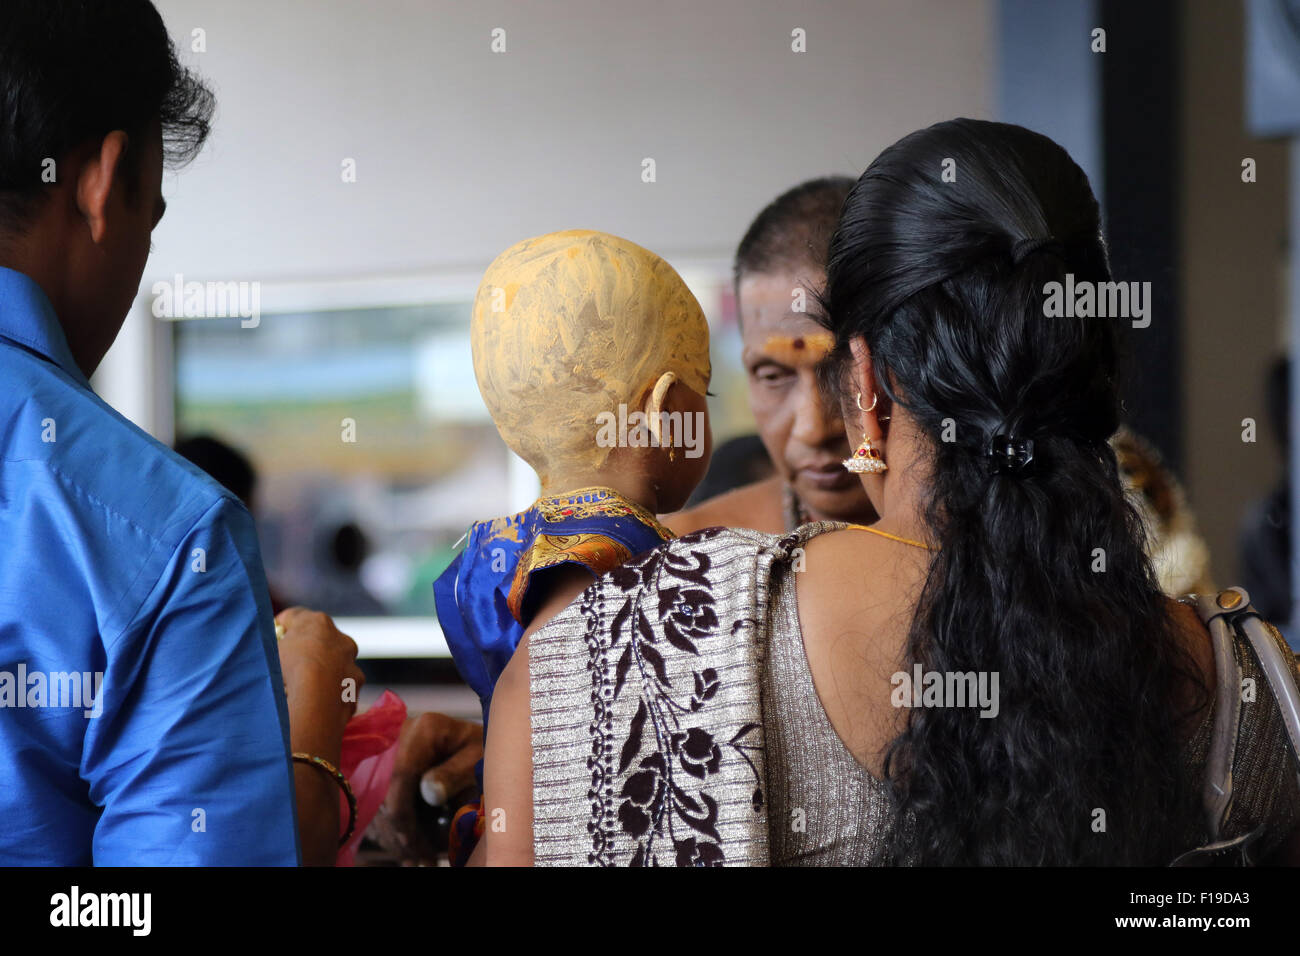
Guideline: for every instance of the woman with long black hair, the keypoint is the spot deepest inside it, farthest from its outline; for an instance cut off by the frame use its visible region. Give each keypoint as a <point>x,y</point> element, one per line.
<point>989,674</point>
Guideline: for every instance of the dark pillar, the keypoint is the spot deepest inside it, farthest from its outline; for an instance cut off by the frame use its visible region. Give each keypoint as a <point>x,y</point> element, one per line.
<point>1141,103</point>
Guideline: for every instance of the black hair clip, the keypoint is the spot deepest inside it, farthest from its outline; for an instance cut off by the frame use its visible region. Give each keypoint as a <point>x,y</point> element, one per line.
<point>1009,455</point>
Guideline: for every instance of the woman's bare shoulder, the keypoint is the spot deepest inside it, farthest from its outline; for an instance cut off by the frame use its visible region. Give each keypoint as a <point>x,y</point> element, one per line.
<point>1194,639</point>
<point>1195,636</point>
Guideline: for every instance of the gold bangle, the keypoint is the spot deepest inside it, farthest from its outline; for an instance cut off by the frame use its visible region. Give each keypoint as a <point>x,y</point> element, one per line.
<point>326,767</point>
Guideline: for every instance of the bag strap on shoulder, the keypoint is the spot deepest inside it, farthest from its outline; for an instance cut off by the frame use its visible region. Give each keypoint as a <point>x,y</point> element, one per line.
<point>1227,614</point>
<point>1217,789</point>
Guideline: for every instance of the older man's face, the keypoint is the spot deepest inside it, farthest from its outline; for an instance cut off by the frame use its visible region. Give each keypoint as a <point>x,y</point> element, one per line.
<point>803,435</point>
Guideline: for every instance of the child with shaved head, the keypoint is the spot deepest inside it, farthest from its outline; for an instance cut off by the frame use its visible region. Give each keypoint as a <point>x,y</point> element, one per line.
<point>592,357</point>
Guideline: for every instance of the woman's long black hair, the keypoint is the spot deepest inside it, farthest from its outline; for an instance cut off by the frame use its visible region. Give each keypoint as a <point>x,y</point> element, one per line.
<point>939,262</point>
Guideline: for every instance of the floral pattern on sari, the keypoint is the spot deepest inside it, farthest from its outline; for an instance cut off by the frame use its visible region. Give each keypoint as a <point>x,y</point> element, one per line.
<point>652,780</point>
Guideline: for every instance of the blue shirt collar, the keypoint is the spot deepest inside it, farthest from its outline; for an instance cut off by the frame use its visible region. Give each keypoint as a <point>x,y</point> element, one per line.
<point>27,318</point>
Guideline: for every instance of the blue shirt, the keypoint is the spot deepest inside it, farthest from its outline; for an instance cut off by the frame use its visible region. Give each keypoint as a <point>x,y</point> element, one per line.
<point>125,568</point>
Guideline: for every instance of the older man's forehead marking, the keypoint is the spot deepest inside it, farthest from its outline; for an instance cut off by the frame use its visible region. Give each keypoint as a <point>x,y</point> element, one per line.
<point>799,349</point>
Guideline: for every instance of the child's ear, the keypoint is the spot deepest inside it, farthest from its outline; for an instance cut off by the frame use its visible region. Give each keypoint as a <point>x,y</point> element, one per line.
<point>655,403</point>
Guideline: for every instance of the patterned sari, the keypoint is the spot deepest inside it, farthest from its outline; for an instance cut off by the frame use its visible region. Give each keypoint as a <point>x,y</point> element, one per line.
<point>646,714</point>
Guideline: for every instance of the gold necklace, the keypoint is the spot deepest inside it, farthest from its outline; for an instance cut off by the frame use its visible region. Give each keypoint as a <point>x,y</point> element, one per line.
<point>892,537</point>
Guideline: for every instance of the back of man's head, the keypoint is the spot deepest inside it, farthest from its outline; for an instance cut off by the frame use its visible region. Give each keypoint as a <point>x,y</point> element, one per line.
<point>71,71</point>
<point>93,105</point>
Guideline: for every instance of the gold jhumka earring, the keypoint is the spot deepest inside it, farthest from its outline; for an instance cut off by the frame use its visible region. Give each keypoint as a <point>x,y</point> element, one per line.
<point>866,459</point>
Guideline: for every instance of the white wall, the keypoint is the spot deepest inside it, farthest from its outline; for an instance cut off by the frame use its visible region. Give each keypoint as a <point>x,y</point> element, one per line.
<point>462,152</point>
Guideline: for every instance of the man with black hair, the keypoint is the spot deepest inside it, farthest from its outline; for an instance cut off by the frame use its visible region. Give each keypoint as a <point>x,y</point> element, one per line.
<point>780,268</point>
<point>143,716</point>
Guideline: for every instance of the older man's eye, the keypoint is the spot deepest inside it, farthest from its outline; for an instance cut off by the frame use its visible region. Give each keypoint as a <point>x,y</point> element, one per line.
<point>770,374</point>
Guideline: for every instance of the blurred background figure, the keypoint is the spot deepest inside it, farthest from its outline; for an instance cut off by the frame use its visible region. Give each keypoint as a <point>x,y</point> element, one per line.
<point>1180,555</point>
<point>234,472</point>
<point>1266,532</point>
<point>339,590</point>
<point>231,468</point>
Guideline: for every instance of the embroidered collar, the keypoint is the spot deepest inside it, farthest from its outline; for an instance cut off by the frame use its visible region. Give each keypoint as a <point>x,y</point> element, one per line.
<point>593,502</point>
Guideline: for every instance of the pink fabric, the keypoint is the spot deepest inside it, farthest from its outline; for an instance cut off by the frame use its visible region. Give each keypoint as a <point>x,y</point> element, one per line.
<point>369,752</point>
